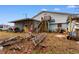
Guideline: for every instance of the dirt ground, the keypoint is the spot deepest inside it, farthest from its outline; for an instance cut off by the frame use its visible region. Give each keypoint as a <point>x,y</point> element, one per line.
<point>54,43</point>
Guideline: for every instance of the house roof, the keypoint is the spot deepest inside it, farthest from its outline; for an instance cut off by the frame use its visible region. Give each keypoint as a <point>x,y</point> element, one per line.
<point>20,20</point>
<point>54,13</point>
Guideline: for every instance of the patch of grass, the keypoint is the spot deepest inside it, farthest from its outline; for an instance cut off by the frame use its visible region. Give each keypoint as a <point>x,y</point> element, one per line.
<point>56,52</point>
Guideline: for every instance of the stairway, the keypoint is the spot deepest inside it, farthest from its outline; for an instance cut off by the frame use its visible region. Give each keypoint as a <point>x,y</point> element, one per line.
<point>42,27</point>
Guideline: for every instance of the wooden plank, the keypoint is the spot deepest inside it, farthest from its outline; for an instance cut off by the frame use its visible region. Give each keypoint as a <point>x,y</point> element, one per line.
<point>12,38</point>
<point>43,26</point>
<point>11,41</point>
<point>38,39</point>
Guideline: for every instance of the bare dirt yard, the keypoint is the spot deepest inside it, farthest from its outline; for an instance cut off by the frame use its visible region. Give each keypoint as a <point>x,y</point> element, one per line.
<point>54,43</point>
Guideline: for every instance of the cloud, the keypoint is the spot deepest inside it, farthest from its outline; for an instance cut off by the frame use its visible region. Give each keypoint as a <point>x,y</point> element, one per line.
<point>76,12</point>
<point>71,6</point>
<point>44,9</point>
<point>57,9</point>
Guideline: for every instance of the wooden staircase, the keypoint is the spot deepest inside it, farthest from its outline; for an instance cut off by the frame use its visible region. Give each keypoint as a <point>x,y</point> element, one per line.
<point>42,27</point>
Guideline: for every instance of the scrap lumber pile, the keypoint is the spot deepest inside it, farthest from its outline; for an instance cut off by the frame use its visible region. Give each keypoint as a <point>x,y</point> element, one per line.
<point>22,45</point>
<point>11,41</point>
<point>38,38</point>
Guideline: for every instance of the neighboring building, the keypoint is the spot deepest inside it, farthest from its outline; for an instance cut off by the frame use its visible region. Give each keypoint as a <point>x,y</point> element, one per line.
<point>55,20</point>
<point>4,27</point>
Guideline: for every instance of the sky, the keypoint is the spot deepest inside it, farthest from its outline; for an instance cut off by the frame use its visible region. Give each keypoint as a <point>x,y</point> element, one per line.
<point>15,12</point>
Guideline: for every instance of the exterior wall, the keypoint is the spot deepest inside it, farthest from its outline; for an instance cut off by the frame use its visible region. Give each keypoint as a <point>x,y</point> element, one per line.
<point>64,26</point>
<point>19,25</point>
<point>53,27</point>
<point>22,24</point>
<point>36,24</point>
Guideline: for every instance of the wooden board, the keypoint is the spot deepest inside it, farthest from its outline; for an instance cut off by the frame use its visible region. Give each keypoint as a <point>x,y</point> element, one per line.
<point>11,41</point>
<point>38,38</point>
<point>43,26</point>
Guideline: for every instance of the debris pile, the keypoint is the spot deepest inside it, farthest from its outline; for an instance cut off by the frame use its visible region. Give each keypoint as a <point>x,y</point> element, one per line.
<point>38,38</point>
<point>11,41</point>
<point>21,45</point>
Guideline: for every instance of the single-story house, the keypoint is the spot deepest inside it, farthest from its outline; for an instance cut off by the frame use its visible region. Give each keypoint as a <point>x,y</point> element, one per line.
<point>55,20</point>
<point>21,23</point>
